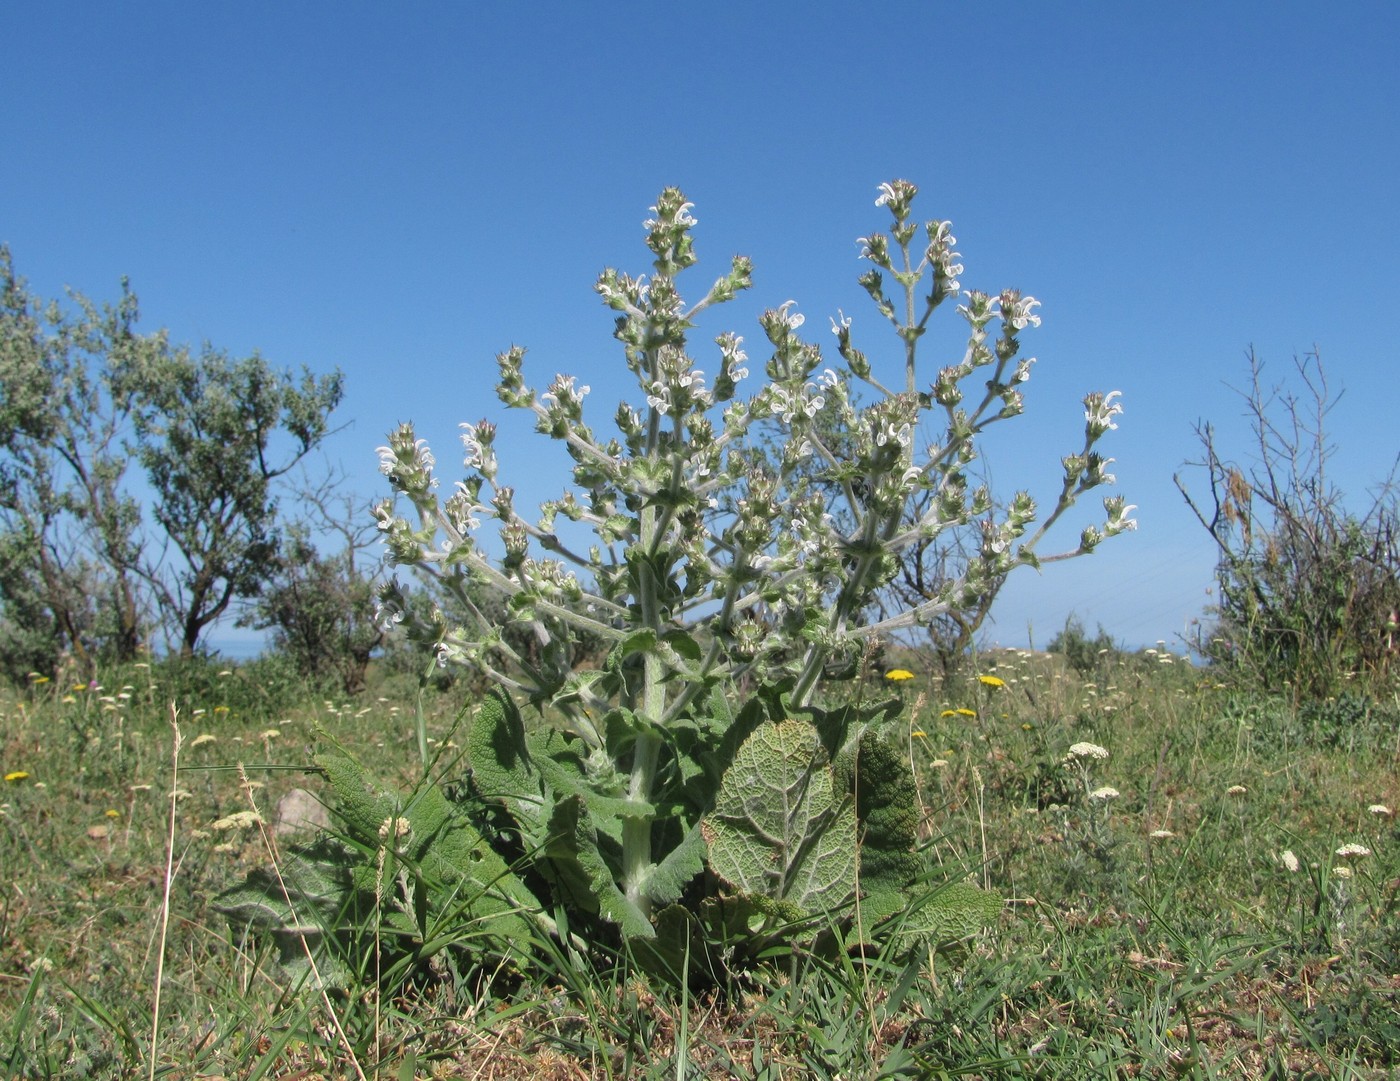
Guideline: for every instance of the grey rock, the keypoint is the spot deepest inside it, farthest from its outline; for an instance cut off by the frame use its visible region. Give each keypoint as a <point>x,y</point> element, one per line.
<point>299,811</point>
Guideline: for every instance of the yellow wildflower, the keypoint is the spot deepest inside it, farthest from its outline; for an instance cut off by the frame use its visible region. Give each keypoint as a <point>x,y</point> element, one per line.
<point>17,775</point>
<point>991,681</point>
<point>899,675</point>
<point>110,813</point>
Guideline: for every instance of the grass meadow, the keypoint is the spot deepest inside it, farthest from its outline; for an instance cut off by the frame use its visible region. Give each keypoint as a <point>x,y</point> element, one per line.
<point>1215,898</point>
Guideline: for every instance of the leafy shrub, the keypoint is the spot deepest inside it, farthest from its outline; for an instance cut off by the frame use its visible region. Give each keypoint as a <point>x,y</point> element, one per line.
<point>1308,590</point>
<point>1084,654</point>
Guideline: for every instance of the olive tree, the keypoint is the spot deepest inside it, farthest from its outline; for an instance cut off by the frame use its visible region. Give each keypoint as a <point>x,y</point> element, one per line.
<point>71,530</point>
<point>213,434</point>
<point>92,565</point>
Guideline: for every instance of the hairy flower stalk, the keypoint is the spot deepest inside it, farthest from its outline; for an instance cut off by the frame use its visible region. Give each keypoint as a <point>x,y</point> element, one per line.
<point>733,539</point>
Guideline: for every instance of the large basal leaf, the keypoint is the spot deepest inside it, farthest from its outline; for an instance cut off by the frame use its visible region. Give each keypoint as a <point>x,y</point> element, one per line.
<point>302,906</point>
<point>455,860</point>
<point>779,828</point>
<point>953,911</point>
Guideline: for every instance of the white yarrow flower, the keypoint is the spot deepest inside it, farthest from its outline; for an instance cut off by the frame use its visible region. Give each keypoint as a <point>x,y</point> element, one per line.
<point>1289,861</point>
<point>1087,750</point>
<point>1353,851</point>
<point>239,820</point>
<point>1105,792</point>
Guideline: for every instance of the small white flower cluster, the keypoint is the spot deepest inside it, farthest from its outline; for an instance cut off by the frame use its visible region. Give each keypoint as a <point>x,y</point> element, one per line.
<point>1099,411</point>
<point>478,440</point>
<point>1018,312</point>
<point>793,321</point>
<point>1118,521</point>
<point>563,393</point>
<point>389,609</point>
<point>942,256</point>
<point>682,218</point>
<point>408,462</point>
<point>1086,750</point>
<point>786,404</point>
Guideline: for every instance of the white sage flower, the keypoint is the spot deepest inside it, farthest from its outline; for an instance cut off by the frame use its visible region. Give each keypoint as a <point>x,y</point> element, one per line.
<point>793,321</point>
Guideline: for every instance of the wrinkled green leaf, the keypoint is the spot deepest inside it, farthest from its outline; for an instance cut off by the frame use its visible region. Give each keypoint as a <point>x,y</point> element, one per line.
<point>779,829</point>
<point>302,906</point>
<point>952,911</point>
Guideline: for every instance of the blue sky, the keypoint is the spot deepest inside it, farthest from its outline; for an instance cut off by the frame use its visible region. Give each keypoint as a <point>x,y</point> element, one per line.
<point>404,190</point>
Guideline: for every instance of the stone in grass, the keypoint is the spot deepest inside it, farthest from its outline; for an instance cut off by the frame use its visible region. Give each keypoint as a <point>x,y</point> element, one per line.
<point>300,811</point>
